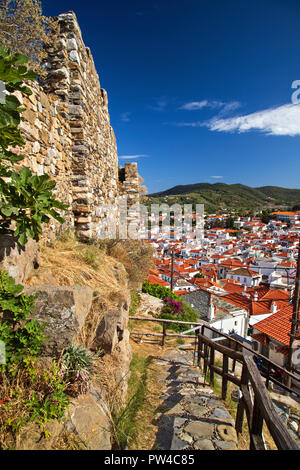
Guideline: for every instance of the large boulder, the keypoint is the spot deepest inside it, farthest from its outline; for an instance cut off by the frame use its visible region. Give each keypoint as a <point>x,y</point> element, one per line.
<point>89,418</point>
<point>122,372</point>
<point>64,309</point>
<point>31,437</point>
<point>149,305</point>
<point>111,329</point>
<point>19,261</point>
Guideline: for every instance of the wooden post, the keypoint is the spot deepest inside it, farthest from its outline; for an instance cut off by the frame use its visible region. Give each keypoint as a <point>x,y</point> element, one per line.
<point>225,377</point>
<point>241,406</point>
<point>256,441</point>
<point>268,376</point>
<point>164,334</point>
<point>234,360</point>
<point>200,343</point>
<point>211,364</point>
<point>205,361</point>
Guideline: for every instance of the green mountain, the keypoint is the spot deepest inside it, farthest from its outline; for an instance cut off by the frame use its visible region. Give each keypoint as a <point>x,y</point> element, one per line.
<point>228,196</point>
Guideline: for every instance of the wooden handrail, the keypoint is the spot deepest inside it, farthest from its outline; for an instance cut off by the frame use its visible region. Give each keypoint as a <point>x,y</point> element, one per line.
<point>260,408</point>
<point>263,409</point>
<point>226,336</point>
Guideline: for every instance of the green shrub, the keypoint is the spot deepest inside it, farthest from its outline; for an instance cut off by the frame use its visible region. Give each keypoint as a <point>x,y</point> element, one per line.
<point>188,314</point>
<point>134,303</point>
<point>159,291</point>
<point>22,337</point>
<point>53,403</point>
<point>30,393</point>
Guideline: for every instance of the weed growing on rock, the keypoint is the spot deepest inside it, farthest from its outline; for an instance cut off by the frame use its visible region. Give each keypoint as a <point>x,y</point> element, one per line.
<point>77,366</point>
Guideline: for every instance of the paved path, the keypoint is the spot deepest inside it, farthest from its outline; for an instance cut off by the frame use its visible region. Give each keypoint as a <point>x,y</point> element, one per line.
<point>190,416</point>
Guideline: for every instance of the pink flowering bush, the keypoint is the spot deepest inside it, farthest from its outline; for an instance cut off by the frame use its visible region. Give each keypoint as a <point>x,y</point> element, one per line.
<point>180,311</point>
<point>172,307</point>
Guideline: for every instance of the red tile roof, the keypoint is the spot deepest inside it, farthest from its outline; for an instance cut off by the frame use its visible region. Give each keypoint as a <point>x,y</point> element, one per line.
<point>278,325</point>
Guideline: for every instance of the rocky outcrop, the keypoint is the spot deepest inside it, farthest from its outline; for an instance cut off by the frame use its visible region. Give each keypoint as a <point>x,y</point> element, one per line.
<point>112,336</point>
<point>31,437</point>
<point>111,330</point>
<point>150,305</point>
<point>19,261</point>
<point>89,418</point>
<point>122,373</point>
<point>64,310</point>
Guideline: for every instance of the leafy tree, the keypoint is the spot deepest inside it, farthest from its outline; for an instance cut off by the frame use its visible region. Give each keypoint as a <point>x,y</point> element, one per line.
<point>266,216</point>
<point>199,275</point>
<point>26,200</point>
<point>24,29</point>
<point>230,223</point>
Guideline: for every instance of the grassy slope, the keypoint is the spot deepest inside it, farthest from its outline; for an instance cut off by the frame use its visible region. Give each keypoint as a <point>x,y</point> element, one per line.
<point>220,195</point>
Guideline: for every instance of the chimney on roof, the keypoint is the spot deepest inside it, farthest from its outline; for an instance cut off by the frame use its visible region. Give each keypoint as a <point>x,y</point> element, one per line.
<point>211,312</point>
<point>273,307</point>
<point>255,297</point>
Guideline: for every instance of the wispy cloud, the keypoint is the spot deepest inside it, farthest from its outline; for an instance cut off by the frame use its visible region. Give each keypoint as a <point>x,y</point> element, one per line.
<point>133,157</point>
<point>188,124</point>
<point>125,117</point>
<point>214,104</point>
<point>282,120</point>
<point>194,105</point>
<point>217,177</point>
<point>160,105</point>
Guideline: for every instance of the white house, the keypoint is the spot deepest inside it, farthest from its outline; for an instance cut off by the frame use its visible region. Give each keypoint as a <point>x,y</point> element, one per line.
<point>245,276</point>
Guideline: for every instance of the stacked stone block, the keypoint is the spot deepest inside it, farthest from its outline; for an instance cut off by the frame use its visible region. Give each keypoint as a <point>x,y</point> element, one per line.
<point>68,133</point>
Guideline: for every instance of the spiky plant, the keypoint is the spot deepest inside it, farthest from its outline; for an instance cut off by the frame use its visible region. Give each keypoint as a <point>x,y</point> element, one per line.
<point>77,366</point>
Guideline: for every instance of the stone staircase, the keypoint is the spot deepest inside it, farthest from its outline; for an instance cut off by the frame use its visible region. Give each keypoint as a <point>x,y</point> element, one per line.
<point>189,415</point>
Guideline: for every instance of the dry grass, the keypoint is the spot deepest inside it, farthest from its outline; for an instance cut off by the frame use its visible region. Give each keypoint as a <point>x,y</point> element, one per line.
<point>68,262</point>
<point>107,266</point>
<point>136,257</point>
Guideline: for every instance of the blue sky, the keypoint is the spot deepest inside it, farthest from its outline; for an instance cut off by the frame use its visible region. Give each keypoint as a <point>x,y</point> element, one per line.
<point>199,90</point>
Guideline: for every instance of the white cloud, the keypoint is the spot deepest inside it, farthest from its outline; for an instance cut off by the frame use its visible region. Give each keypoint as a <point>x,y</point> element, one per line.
<point>196,105</point>
<point>132,157</point>
<point>217,177</point>
<point>125,117</point>
<point>283,120</point>
<point>187,124</point>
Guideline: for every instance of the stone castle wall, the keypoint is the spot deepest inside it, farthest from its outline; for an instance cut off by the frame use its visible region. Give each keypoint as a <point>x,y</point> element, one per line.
<point>68,134</point>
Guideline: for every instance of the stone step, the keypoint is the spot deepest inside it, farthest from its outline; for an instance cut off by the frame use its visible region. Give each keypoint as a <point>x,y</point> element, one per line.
<point>190,415</point>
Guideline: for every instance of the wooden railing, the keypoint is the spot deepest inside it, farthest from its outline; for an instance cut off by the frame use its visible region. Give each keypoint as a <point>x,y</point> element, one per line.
<point>254,400</point>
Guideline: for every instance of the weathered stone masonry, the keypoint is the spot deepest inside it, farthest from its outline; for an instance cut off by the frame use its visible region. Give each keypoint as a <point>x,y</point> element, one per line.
<point>68,133</point>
